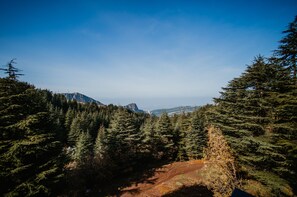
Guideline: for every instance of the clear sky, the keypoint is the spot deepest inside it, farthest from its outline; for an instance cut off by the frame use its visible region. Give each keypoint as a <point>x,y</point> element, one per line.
<point>154,53</point>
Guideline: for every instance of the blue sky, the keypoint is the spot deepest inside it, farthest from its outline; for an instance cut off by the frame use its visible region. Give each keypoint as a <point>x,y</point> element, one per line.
<point>154,53</point>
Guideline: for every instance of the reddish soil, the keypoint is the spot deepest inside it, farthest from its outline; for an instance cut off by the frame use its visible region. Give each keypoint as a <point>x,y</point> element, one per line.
<point>167,179</point>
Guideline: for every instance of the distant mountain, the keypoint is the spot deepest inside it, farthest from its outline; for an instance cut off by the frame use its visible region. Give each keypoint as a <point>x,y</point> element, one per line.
<point>133,107</point>
<point>175,110</point>
<point>80,98</point>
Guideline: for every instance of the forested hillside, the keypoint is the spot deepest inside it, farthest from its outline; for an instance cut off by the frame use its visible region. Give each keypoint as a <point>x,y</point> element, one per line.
<point>50,146</point>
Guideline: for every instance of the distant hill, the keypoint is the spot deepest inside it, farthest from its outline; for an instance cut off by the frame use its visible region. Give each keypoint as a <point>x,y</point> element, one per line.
<point>80,98</point>
<point>133,107</point>
<point>175,110</point>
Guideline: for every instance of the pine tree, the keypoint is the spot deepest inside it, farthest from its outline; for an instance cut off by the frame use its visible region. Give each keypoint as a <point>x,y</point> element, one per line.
<point>69,118</point>
<point>149,140</point>
<point>58,118</point>
<point>83,121</point>
<point>287,50</point>
<point>195,140</point>
<point>182,128</point>
<point>123,138</point>
<point>246,115</point>
<point>29,148</point>
<point>284,126</point>
<point>164,131</point>
<point>83,149</point>
<point>100,145</point>
<point>75,130</point>
<point>11,71</point>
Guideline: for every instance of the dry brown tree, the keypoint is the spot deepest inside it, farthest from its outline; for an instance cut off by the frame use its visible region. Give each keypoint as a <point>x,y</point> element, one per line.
<point>219,173</point>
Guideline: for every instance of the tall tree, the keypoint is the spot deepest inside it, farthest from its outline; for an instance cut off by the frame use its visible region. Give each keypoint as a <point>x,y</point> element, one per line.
<point>196,139</point>
<point>75,130</point>
<point>287,50</point>
<point>30,151</point>
<point>164,131</point>
<point>182,128</point>
<point>83,149</point>
<point>123,138</point>
<point>69,118</point>
<point>100,145</point>
<point>219,173</point>
<point>245,115</point>
<point>149,140</point>
<point>285,103</point>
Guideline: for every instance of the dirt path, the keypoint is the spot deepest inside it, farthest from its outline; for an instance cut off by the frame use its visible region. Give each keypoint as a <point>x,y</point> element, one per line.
<point>167,179</point>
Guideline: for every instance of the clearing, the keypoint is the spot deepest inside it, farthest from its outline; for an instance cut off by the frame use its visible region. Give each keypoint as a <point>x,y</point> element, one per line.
<point>175,179</point>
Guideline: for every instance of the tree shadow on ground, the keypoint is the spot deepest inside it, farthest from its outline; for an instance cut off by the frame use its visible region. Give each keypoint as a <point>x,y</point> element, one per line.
<point>192,191</point>
<point>139,174</point>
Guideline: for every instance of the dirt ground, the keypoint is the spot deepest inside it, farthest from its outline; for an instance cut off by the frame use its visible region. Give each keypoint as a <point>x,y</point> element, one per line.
<point>168,179</point>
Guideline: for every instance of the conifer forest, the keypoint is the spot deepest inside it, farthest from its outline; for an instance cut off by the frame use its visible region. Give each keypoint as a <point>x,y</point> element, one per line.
<point>247,139</point>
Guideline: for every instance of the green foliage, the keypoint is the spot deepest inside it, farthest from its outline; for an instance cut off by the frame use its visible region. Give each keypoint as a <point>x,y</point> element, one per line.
<point>257,114</point>
<point>30,153</point>
<point>70,115</point>
<point>75,131</point>
<point>83,149</point>
<point>166,146</point>
<point>287,51</point>
<point>183,128</point>
<point>100,145</point>
<point>82,122</point>
<point>123,138</point>
<point>190,133</point>
<point>196,137</point>
<point>149,138</point>
<point>247,115</point>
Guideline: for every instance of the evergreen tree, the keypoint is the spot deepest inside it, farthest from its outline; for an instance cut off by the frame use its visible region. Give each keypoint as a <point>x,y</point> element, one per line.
<point>83,149</point>
<point>182,128</point>
<point>287,50</point>
<point>30,152</point>
<point>164,131</point>
<point>100,144</point>
<point>58,118</point>
<point>69,118</point>
<point>102,165</point>
<point>246,115</point>
<point>123,138</point>
<point>284,117</point>
<point>149,140</point>
<point>196,138</point>
<point>75,131</point>
<point>11,71</point>
<point>83,121</point>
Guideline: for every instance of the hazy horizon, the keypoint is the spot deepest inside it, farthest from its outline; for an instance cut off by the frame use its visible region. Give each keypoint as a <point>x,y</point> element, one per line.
<point>148,104</point>
<point>154,53</point>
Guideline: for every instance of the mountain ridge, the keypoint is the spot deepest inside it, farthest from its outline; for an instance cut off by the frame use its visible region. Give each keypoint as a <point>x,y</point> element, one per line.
<point>131,106</point>
<point>81,98</point>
